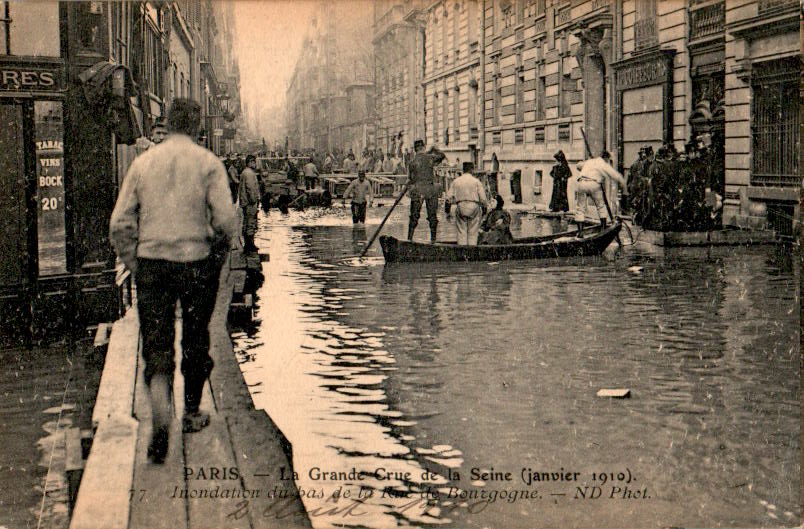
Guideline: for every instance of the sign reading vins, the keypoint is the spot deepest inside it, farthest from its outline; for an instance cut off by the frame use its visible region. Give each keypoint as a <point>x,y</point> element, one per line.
<point>50,188</point>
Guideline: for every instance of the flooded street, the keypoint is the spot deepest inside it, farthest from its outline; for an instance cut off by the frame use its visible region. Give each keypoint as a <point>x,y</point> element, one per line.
<point>414,380</point>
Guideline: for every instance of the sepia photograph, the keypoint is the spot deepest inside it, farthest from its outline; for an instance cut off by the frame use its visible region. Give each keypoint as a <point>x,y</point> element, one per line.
<point>376,264</point>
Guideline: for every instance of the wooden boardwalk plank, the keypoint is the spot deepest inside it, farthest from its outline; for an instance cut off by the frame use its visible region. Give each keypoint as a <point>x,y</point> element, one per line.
<point>153,504</point>
<point>116,391</point>
<point>206,450</point>
<point>103,499</point>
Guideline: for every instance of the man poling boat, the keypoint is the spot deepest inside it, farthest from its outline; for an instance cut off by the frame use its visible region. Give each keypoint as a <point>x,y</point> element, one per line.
<point>592,184</point>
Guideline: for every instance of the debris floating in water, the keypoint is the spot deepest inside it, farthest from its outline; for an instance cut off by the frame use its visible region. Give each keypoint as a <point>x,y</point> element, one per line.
<point>635,269</point>
<point>618,393</point>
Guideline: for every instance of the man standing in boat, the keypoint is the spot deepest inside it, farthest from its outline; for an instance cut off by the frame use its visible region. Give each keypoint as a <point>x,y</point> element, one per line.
<point>423,188</point>
<point>590,184</point>
<point>468,200</point>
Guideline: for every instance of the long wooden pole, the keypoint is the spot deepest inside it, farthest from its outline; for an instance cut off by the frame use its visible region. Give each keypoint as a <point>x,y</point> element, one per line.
<point>373,237</point>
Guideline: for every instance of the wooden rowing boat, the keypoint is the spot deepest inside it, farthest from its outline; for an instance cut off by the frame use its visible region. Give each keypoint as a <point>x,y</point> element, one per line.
<point>564,244</point>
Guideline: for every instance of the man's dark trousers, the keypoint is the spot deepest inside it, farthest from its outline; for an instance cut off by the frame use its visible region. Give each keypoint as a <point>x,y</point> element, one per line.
<point>159,284</point>
<point>431,200</point>
<point>358,212</point>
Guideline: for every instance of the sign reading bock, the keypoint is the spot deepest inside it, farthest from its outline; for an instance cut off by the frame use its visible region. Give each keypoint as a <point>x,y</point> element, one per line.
<point>30,76</point>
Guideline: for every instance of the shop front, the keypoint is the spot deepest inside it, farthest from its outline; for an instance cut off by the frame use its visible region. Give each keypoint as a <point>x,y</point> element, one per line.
<point>644,92</point>
<point>34,208</point>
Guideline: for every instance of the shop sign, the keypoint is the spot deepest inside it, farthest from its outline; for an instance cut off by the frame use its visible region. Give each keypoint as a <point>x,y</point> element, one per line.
<point>642,74</point>
<point>17,76</point>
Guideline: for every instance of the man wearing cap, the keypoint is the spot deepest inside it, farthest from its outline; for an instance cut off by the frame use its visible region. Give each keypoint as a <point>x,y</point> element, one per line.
<point>173,203</point>
<point>423,188</point>
<point>590,184</point>
<point>468,200</point>
<point>249,201</point>
<point>360,192</point>
<point>159,131</point>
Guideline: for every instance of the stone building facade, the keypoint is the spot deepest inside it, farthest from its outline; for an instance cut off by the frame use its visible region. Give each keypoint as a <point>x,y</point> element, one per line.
<point>398,53</point>
<point>330,98</point>
<point>451,78</point>
<point>645,72</point>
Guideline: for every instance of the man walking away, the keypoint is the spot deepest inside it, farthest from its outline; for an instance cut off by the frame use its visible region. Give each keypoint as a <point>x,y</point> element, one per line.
<point>174,198</point>
<point>468,199</point>
<point>361,194</point>
<point>590,184</point>
<point>249,201</point>
<point>423,188</point>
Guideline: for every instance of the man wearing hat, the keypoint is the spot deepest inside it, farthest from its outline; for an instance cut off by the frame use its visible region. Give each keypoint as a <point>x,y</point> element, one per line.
<point>423,187</point>
<point>590,184</point>
<point>468,200</point>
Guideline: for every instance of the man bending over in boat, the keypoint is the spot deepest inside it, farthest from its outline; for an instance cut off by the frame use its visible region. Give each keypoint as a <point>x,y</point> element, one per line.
<point>590,184</point>
<point>468,200</point>
<point>497,225</point>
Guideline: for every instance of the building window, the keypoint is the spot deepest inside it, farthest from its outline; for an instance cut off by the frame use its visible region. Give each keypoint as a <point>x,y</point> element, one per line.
<point>519,136</point>
<point>520,96</point>
<point>456,124</point>
<point>541,83</point>
<point>496,138</point>
<point>435,118</point>
<point>567,88</point>
<point>776,135</point>
<point>534,8</point>
<point>564,132</point>
<point>539,135</point>
<point>444,114</point>
<point>646,33</point>
<point>508,14</point>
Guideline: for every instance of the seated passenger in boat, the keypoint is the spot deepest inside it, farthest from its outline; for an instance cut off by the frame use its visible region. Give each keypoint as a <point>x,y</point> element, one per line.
<point>497,226</point>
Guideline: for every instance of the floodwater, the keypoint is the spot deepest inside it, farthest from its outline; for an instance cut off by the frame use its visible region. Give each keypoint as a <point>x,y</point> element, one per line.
<point>44,391</point>
<point>413,380</point>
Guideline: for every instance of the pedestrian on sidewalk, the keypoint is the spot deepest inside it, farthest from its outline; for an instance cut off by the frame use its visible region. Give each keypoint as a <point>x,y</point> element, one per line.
<point>174,201</point>
<point>362,195</point>
<point>249,201</point>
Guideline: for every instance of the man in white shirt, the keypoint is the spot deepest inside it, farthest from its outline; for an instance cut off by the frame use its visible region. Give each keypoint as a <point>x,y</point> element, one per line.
<point>468,199</point>
<point>175,199</point>
<point>590,184</point>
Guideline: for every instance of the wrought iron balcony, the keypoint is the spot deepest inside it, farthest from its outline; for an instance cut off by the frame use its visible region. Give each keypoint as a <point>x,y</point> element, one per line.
<point>707,20</point>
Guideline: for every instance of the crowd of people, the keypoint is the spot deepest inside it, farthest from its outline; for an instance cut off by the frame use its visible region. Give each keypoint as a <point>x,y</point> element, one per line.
<point>665,191</point>
<point>672,191</point>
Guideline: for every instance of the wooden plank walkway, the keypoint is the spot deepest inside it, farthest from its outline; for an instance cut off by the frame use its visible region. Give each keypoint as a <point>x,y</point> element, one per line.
<point>217,478</point>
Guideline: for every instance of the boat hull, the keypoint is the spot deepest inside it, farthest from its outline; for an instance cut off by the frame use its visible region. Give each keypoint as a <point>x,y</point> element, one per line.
<point>558,245</point>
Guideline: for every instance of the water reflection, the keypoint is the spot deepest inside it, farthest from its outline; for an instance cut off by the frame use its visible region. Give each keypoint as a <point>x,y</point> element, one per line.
<point>444,368</point>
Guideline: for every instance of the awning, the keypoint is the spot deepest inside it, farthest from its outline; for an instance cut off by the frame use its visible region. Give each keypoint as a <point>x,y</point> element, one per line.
<point>110,86</point>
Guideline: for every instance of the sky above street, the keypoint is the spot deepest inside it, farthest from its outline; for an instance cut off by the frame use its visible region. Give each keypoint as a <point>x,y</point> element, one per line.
<point>268,40</point>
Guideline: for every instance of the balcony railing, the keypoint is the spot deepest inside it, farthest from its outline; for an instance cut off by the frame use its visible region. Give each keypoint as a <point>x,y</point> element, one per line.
<point>765,6</point>
<point>707,20</point>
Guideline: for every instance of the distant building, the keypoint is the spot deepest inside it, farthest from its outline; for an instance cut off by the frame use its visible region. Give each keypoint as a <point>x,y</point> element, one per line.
<point>333,76</point>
